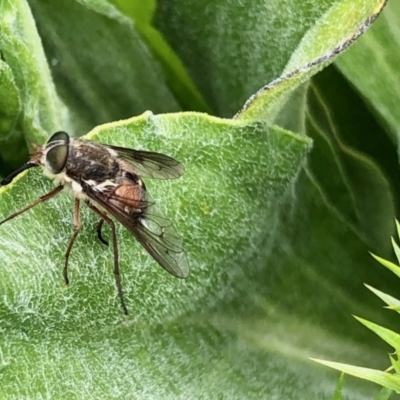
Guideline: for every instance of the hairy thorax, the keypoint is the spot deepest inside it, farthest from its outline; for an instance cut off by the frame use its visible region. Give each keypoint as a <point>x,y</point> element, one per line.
<point>90,161</point>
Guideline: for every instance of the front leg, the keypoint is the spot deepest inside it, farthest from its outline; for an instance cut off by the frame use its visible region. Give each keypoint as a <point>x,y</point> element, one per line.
<point>41,199</point>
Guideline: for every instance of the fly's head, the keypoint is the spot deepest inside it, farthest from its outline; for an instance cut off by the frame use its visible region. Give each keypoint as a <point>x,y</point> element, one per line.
<point>53,155</point>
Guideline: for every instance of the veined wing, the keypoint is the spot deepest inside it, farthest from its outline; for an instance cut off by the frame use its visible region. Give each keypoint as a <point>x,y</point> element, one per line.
<point>157,235</point>
<point>151,228</point>
<point>148,164</point>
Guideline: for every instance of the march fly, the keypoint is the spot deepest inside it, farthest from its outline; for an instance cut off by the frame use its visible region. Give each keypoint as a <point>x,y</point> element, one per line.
<point>108,179</point>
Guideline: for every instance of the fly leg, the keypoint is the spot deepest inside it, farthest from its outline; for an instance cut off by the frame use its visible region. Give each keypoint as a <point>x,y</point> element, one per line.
<point>117,275</point>
<point>99,235</point>
<point>77,227</point>
<point>41,199</point>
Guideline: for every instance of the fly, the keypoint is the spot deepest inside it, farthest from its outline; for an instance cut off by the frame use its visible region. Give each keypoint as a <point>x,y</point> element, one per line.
<point>108,180</point>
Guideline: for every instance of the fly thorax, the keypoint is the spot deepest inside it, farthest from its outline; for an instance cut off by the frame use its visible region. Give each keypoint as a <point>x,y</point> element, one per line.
<point>90,162</point>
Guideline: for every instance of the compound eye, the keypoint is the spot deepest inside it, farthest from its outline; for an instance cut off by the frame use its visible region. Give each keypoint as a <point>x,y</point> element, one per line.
<point>63,136</point>
<point>57,155</point>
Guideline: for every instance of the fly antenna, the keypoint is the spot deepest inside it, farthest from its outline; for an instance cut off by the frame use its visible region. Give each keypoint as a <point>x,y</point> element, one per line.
<point>10,177</point>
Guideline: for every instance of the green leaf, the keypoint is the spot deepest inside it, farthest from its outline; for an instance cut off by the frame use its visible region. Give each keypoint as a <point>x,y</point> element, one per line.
<point>21,47</point>
<point>390,337</point>
<point>317,48</point>
<point>176,75</point>
<point>378,82</point>
<point>396,248</point>
<point>388,264</point>
<point>9,101</point>
<point>381,378</point>
<point>339,388</point>
<point>10,108</point>
<point>384,394</point>
<point>115,77</point>
<point>216,180</point>
<point>389,300</point>
<point>395,363</point>
<point>200,204</point>
<point>294,54</point>
<point>349,172</point>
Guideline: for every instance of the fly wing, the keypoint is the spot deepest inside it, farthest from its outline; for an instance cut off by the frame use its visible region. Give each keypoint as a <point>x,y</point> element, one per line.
<point>157,235</point>
<point>150,227</point>
<point>150,165</point>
